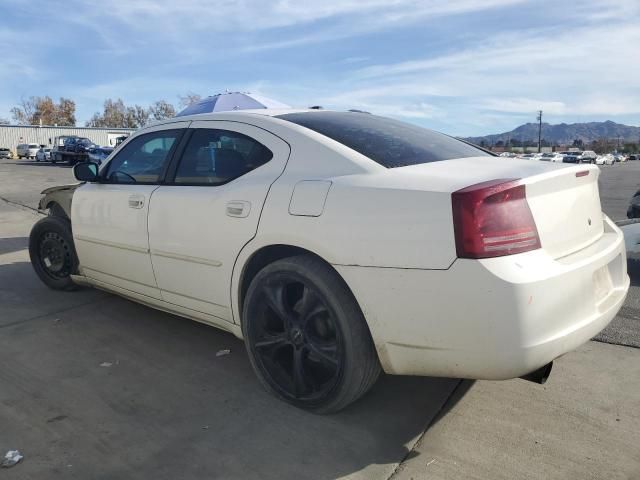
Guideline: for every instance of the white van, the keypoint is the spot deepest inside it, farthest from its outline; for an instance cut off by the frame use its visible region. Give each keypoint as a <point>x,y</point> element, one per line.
<point>28,150</point>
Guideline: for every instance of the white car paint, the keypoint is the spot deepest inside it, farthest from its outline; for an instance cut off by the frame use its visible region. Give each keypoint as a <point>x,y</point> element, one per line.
<point>388,232</point>
<point>43,155</point>
<point>605,160</point>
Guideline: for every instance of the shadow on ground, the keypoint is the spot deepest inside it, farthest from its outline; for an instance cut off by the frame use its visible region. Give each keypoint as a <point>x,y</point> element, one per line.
<point>633,269</point>
<point>34,163</point>
<point>108,388</point>
<point>13,244</point>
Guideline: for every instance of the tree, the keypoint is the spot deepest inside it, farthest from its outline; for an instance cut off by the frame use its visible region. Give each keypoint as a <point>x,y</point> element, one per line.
<point>66,112</point>
<point>116,115</point>
<point>630,148</point>
<point>189,99</point>
<point>578,143</point>
<point>43,110</point>
<point>137,116</point>
<point>162,110</point>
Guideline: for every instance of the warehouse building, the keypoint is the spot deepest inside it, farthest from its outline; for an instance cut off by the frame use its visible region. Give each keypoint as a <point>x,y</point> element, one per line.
<point>13,135</point>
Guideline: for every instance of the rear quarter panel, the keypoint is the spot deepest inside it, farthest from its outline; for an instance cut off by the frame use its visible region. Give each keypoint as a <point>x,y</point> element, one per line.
<point>371,217</point>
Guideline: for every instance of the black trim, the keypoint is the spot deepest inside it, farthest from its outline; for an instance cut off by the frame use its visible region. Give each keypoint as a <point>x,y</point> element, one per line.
<point>172,167</point>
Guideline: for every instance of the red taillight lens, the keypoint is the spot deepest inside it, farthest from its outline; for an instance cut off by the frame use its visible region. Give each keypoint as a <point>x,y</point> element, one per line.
<point>492,219</point>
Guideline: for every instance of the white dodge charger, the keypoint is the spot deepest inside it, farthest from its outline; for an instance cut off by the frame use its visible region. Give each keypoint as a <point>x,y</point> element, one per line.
<point>340,244</point>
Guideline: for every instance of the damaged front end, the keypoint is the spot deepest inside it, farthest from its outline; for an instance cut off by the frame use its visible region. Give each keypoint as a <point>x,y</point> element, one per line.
<point>57,200</point>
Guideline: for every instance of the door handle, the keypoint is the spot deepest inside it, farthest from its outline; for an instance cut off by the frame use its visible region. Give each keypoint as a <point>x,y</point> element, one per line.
<point>136,201</point>
<point>238,208</point>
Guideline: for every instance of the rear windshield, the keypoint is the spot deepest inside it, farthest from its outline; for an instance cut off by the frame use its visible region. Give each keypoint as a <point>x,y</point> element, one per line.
<point>34,145</point>
<point>388,142</point>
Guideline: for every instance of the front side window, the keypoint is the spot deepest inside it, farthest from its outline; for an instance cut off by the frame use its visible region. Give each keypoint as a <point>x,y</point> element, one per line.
<point>215,157</point>
<point>143,159</point>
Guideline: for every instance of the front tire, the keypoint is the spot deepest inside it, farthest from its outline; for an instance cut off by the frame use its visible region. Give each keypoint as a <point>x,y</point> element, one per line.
<point>53,253</point>
<point>306,336</point>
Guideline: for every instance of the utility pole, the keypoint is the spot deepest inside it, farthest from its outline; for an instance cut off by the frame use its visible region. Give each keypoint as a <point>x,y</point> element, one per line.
<point>539,131</point>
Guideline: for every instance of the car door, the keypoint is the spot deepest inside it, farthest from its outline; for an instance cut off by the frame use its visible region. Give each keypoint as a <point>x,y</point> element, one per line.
<point>109,217</point>
<point>199,223</point>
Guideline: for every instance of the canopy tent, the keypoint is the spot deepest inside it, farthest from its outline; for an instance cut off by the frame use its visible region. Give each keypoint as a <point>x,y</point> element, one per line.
<point>231,101</point>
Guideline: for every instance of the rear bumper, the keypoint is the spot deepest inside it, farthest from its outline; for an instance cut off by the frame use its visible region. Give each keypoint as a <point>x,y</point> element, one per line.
<point>493,319</point>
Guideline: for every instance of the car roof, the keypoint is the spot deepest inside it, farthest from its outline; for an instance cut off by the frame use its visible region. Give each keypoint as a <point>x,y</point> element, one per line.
<point>233,115</point>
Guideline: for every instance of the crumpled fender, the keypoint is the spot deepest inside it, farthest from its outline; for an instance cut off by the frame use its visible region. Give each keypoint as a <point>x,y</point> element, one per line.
<point>61,194</point>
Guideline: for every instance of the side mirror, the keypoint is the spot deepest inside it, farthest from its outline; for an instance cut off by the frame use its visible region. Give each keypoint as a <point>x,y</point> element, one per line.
<point>86,171</point>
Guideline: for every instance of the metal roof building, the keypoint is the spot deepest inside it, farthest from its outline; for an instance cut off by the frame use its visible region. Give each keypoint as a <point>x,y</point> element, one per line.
<point>12,135</point>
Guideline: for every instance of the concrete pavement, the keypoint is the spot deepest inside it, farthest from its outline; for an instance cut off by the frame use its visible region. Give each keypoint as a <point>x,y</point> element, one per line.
<point>95,386</point>
<point>584,423</point>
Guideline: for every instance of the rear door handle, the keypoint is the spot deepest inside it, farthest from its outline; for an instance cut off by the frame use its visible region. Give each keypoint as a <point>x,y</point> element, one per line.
<point>136,201</point>
<point>238,208</point>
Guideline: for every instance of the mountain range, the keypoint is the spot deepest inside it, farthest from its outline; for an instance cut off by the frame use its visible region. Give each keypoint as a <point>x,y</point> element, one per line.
<point>565,134</point>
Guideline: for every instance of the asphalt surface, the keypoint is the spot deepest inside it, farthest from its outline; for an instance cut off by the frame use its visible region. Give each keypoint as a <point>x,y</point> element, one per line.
<point>95,386</point>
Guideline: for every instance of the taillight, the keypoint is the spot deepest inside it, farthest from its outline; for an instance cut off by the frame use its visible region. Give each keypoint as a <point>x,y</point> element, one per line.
<point>492,219</point>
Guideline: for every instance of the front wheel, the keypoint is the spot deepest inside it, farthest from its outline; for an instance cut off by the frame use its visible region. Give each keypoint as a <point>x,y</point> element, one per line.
<point>52,252</point>
<point>306,336</point>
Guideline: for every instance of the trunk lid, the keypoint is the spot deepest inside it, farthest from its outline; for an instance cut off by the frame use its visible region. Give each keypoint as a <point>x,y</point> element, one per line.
<point>566,208</point>
<point>563,198</point>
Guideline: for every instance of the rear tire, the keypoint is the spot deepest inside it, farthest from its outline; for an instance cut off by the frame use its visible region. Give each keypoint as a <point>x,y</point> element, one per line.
<point>307,338</point>
<point>52,252</point>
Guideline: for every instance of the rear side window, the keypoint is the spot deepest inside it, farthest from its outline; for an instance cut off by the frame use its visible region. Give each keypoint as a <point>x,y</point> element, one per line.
<point>385,141</point>
<point>215,157</point>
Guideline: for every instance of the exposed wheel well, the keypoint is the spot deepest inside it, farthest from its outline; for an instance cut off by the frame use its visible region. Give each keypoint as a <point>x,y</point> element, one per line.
<point>56,210</point>
<point>264,257</point>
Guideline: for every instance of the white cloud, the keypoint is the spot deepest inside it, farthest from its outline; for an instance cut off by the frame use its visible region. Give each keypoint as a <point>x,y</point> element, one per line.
<point>583,63</point>
<point>589,68</point>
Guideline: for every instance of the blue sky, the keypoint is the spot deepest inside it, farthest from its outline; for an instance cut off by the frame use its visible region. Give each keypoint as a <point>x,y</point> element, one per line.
<point>465,67</point>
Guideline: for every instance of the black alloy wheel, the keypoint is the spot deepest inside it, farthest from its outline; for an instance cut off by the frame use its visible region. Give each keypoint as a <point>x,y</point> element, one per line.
<point>306,336</point>
<point>296,339</point>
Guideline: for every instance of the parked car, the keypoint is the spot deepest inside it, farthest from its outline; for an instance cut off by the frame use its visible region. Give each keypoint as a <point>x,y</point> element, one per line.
<point>588,156</point>
<point>605,160</point>
<point>27,150</point>
<point>571,158</point>
<point>557,158</point>
<point>340,244</point>
<point>546,157</point>
<point>633,211</point>
<point>78,145</point>
<point>43,155</point>
<point>5,153</point>
<point>99,154</point>
<point>633,157</point>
